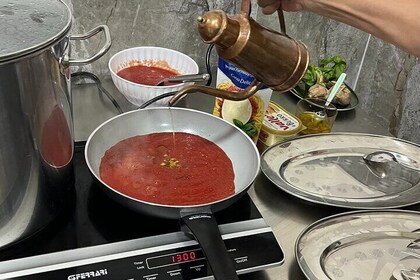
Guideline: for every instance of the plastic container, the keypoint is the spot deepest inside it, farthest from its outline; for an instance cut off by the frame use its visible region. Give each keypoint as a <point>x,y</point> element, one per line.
<point>278,125</point>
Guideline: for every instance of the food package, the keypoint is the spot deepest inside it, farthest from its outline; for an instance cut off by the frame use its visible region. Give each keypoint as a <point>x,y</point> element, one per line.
<point>278,125</point>
<point>247,114</point>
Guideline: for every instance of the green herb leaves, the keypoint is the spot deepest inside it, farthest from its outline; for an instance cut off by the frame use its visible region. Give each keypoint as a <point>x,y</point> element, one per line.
<point>332,68</point>
<point>249,128</point>
<point>329,69</point>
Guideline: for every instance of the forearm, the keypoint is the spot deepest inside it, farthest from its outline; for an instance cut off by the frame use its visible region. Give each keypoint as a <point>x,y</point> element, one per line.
<point>397,22</point>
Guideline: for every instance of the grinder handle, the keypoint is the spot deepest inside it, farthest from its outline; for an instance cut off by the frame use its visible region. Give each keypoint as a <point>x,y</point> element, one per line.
<point>281,20</point>
<point>246,9</point>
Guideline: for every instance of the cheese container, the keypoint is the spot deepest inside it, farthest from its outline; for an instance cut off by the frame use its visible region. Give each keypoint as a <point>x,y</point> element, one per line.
<point>278,125</point>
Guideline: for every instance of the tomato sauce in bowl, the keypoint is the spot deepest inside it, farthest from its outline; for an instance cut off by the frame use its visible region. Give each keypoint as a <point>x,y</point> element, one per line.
<point>169,168</point>
<point>146,75</point>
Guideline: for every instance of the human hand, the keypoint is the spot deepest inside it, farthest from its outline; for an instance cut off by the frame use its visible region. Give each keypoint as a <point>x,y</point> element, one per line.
<point>270,6</point>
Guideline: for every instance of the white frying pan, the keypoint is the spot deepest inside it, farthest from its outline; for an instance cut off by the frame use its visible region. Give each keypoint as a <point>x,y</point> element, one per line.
<point>197,218</point>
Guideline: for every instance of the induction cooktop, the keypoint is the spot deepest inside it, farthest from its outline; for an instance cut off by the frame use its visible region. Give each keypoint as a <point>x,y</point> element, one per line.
<point>98,238</point>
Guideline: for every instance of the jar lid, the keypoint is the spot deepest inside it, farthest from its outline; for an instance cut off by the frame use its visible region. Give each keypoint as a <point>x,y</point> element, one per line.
<point>279,121</point>
<point>31,25</point>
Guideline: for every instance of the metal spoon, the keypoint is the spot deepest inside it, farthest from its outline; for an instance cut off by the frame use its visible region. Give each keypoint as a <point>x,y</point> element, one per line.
<point>185,78</point>
<point>380,162</point>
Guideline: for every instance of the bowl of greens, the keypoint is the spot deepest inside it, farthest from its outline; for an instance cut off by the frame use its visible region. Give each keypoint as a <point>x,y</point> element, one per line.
<point>319,80</point>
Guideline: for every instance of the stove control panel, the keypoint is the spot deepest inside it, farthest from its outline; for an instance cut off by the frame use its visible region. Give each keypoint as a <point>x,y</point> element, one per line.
<point>250,253</point>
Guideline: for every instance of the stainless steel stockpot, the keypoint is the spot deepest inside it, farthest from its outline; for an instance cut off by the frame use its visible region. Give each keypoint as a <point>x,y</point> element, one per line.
<point>36,127</point>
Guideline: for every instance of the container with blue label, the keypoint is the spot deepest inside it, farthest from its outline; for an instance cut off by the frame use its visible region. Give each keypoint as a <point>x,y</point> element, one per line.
<point>247,114</point>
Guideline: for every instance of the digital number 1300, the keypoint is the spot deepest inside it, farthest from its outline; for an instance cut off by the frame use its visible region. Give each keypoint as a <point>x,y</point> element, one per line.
<point>184,257</point>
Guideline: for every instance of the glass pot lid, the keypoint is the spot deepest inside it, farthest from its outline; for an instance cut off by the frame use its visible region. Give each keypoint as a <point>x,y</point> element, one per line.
<point>27,26</point>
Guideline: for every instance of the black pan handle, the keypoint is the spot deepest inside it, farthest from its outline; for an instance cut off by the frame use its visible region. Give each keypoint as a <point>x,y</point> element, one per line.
<point>205,230</point>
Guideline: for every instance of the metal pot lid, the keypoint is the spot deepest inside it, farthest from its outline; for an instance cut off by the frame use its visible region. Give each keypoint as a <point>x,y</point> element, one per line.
<point>330,169</point>
<point>361,245</point>
<point>28,26</point>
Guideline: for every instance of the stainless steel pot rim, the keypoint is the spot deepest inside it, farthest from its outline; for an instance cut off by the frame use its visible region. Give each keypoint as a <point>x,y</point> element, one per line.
<point>31,26</point>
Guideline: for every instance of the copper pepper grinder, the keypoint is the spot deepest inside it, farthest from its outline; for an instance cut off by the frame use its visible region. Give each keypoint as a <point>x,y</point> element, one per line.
<point>273,58</point>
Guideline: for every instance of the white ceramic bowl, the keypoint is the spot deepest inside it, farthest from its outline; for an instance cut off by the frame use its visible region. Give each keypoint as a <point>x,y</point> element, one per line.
<point>137,94</point>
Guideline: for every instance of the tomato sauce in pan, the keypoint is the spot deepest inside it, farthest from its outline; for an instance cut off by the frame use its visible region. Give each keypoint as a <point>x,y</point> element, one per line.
<point>169,168</point>
<point>146,75</point>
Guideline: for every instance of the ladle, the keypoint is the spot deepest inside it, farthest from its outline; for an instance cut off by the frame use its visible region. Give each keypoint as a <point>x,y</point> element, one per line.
<point>379,162</point>
<point>185,78</point>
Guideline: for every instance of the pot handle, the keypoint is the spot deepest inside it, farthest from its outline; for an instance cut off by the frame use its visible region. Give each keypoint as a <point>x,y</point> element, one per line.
<point>67,61</point>
<point>205,230</point>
